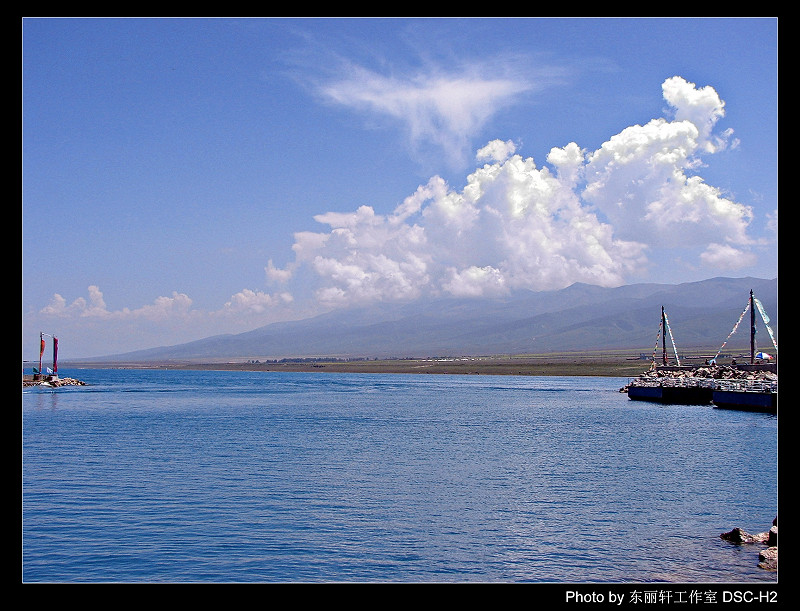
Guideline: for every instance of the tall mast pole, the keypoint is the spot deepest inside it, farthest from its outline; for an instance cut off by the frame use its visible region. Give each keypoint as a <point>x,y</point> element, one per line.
<point>752,329</point>
<point>663,336</point>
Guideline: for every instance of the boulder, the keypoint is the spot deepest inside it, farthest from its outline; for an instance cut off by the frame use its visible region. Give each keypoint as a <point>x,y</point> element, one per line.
<point>768,558</point>
<point>737,535</point>
<point>772,538</point>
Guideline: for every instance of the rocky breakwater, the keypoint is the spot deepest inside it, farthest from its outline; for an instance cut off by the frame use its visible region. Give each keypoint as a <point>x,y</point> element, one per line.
<point>708,377</point>
<point>767,557</point>
<point>712,372</point>
<point>51,381</point>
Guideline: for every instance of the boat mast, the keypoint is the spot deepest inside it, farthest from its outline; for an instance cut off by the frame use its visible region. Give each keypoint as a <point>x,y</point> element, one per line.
<point>752,329</point>
<point>663,337</point>
<point>55,351</point>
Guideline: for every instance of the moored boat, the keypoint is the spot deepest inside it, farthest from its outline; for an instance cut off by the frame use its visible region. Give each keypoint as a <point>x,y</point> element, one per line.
<point>684,391</point>
<point>658,388</point>
<point>749,395</point>
<point>751,387</point>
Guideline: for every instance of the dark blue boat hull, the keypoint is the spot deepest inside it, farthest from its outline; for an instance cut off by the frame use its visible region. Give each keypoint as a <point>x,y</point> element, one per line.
<point>750,401</point>
<point>680,395</point>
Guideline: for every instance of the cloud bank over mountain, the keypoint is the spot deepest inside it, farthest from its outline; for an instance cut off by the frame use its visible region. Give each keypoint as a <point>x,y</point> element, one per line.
<point>578,318</point>
<point>585,216</point>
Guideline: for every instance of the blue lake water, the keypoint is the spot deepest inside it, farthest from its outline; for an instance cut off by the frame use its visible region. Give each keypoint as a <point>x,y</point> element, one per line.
<point>182,476</point>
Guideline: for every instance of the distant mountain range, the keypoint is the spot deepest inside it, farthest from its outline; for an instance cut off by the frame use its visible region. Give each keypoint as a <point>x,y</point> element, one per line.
<point>579,317</point>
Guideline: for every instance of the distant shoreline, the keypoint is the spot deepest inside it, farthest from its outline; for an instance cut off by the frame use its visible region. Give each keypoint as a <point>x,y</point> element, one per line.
<point>564,364</point>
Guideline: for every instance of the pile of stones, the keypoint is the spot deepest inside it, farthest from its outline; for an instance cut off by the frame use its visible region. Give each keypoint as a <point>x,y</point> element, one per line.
<point>713,372</point>
<point>52,381</point>
<point>768,557</point>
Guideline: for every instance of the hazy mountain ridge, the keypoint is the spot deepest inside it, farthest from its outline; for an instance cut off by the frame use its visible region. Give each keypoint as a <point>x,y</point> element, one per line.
<point>579,317</point>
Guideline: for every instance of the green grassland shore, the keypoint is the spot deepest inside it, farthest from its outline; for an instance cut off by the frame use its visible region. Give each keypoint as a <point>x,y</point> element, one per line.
<point>605,363</point>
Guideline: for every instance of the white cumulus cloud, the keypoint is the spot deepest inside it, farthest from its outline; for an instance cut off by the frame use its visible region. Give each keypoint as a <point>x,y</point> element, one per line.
<point>643,179</point>
<point>496,150</point>
<point>726,257</point>
<point>512,226</point>
<point>248,301</point>
<point>161,309</point>
<point>589,216</point>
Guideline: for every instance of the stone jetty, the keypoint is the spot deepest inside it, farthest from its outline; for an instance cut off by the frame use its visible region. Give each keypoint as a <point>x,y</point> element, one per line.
<point>713,372</point>
<point>54,381</point>
<point>752,387</point>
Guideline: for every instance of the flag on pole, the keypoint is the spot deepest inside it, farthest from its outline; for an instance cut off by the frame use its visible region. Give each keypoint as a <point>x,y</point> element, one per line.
<point>41,349</point>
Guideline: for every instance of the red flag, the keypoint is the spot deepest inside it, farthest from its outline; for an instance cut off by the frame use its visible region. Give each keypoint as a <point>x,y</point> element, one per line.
<point>41,350</point>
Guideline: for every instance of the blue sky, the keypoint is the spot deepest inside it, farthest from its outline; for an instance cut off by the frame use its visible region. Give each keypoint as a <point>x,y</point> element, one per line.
<point>189,177</point>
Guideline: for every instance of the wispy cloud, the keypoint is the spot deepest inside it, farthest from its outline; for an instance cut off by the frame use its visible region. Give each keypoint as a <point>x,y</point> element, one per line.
<point>443,110</point>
